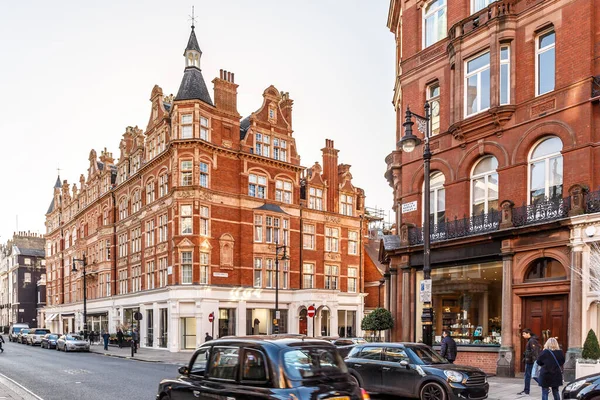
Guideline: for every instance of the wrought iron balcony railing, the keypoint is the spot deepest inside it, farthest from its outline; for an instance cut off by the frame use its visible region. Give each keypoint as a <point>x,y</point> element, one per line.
<point>541,211</point>
<point>467,226</point>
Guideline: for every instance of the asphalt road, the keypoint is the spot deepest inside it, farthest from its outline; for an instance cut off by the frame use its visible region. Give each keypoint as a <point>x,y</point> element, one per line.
<point>54,375</point>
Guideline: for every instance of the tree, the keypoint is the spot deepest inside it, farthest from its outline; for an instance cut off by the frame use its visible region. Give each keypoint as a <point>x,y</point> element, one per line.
<point>591,348</point>
<point>379,319</point>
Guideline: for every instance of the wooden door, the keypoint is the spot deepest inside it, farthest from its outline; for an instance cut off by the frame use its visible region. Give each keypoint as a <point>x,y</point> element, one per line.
<point>303,322</point>
<point>546,316</point>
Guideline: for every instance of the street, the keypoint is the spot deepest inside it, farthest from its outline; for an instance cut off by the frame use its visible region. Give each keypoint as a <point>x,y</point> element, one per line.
<point>54,375</point>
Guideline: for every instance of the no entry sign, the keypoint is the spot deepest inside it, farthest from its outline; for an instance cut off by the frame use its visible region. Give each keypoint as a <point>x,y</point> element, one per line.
<point>211,317</point>
<point>310,312</point>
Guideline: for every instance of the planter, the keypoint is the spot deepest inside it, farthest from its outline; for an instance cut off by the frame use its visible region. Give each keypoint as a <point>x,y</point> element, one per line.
<point>586,367</point>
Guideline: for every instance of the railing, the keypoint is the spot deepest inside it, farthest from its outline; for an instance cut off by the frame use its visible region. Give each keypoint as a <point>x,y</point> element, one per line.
<point>541,211</point>
<point>467,226</point>
<point>495,10</point>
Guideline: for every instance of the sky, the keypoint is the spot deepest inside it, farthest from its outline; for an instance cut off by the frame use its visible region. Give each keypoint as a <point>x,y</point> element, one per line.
<point>75,74</point>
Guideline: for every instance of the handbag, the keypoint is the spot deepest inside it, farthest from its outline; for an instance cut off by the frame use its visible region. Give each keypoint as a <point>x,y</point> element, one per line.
<point>535,372</point>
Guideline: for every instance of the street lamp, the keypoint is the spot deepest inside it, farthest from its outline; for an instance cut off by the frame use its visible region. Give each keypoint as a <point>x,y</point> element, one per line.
<point>83,262</point>
<point>408,144</point>
<point>284,257</point>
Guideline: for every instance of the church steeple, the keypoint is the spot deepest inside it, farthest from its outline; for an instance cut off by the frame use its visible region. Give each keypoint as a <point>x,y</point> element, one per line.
<point>192,52</point>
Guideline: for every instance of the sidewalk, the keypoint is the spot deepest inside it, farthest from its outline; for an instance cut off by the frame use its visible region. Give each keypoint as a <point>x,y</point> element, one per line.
<point>9,390</point>
<point>507,389</point>
<point>144,354</point>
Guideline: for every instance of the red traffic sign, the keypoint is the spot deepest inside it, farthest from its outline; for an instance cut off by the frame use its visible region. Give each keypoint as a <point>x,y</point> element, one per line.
<point>311,311</point>
<point>211,317</point>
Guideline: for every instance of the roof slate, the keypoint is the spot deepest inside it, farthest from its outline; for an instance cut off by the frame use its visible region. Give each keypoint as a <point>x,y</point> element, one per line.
<point>193,86</point>
<point>192,43</point>
<point>271,207</point>
<point>391,242</point>
<point>244,126</point>
<point>51,208</point>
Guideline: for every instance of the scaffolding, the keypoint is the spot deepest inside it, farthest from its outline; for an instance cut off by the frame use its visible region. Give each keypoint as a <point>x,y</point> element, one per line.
<point>379,221</point>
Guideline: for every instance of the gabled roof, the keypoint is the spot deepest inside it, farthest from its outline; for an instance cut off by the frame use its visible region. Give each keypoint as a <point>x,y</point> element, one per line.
<point>192,43</point>
<point>193,86</point>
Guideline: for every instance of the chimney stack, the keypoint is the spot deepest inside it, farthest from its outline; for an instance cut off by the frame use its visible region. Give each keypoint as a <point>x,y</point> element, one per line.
<point>330,174</point>
<point>226,92</point>
<point>286,107</point>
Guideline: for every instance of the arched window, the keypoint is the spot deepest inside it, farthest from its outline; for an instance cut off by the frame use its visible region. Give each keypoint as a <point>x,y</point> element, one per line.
<point>545,269</point>
<point>546,170</point>
<point>484,186</point>
<point>434,22</point>
<point>437,210</point>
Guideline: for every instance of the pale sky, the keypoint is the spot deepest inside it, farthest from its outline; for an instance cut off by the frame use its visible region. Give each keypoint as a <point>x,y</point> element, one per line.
<point>75,74</point>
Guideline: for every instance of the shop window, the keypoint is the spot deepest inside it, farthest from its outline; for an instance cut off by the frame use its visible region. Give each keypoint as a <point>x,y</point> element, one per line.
<point>484,186</point>
<point>546,170</point>
<point>545,269</point>
<point>434,22</point>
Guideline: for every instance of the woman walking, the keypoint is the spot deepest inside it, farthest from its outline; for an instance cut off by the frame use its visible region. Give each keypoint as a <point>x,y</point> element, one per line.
<point>551,361</point>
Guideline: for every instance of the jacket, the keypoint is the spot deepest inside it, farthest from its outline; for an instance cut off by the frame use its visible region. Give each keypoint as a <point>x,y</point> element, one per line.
<point>532,350</point>
<point>448,350</point>
<point>551,370</point>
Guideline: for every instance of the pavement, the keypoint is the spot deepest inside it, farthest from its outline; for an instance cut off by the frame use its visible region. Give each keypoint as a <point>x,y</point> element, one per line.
<point>11,390</point>
<point>145,354</point>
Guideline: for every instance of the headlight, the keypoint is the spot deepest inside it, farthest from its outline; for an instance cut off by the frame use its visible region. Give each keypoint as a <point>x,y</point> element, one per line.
<point>575,386</point>
<point>454,376</point>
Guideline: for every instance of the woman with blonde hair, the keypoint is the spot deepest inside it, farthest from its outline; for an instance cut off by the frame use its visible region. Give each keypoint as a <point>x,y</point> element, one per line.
<point>551,361</point>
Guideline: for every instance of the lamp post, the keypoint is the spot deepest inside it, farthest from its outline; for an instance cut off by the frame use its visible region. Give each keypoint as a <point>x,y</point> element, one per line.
<point>284,257</point>
<point>83,262</point>
<point>408,144</point>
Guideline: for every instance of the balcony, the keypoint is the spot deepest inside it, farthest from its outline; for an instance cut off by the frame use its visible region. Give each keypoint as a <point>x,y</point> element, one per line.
<point>498,9</point>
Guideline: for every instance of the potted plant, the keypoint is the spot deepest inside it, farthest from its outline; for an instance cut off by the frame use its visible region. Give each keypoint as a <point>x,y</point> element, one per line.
<point>589,363</point>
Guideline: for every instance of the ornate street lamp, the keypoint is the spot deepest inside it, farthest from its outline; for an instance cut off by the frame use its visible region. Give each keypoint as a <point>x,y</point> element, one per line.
<point>284,257</point>
<point>83,263</point>
<point>408,144</point>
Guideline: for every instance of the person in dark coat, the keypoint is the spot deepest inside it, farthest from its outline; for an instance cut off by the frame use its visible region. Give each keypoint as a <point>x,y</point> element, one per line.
<point>120,337</point>
<point>1,341</point>
<point>551,361</point>
<point>207,337</point>
<point>106,337</point>
<point>532,351</point>
<point>448,350</point>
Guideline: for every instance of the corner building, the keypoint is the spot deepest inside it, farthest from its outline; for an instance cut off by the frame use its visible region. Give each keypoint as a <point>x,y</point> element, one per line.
<point>513,89</point>
<point>186,223</point>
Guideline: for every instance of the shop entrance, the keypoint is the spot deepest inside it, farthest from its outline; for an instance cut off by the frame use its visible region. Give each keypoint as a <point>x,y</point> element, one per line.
<point>546,316</point>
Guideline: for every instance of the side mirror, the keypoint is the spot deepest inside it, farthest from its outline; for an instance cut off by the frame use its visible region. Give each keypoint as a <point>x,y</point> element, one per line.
<point>183,370</point>
<point>404,363</point>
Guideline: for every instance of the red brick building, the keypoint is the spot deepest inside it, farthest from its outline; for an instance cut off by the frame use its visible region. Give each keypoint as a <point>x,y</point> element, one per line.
<point>186,223</point>
<point>513,89</point>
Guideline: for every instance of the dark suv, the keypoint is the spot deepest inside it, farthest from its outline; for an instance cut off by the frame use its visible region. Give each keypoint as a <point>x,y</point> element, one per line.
<point>414,370</point>
<point>263,367</point>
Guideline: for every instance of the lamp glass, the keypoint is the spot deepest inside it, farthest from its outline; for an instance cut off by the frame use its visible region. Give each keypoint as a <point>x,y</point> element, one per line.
<point>408,145</point>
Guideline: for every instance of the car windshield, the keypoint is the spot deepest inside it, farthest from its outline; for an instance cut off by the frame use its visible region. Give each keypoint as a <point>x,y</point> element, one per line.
<point>24,331</point>
<point>74,337</point>
<point>425,356</point>
<point>17,329</point>
<point>312,362</point>
<point>52,337</point>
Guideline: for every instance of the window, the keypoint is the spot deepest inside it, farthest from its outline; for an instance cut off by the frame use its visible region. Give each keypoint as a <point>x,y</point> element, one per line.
<point>150,233</point>
<point>433,97</point>
<point>204,174</point>
<point>272,229</point>
<point>352,279</point>
<point>187,126</point>
<point>163,185</point>
<point>434,22</point>
<point>162,272</point>
<point>545,269</point>
<point>332,239</point>
<point>258,228</point>
<point>254,367</point>
<point>123,281</point>
<point>270,274</point>
<point>136,278</point>
<point>279,149</point>
<point>107,250</point>
<point>204,218</point>
<point>437,205</point>
<point>477,5</point>
<point>331,276</point>
<point>484,186</point>
<point>546,170</point>
<point>150,275</point>
<point>315,201</point>
<point>545,62</point>
<point>105,217</point>
<point>308,276</point>
<point>504,75</point>
<point>186,220</point>
<point>27,277</point>
<point>107,283</point>
<point>203,128</point>
<point>204,268</point>
<point>262,146</point>
<point>257,186</point>
<point>150,192</point>
<point>285,272</point>
<point>309,237</point>
<point>186,173</point>
<point>286,232</point>
<point>346,205</point>
<point>352,242</point>
<point>371,353</point>
<point>395,355</point>
<point>224,363</point>
<point>136,240</point>
<point>258,272</point>
<point>162,228</point>
<point>123,245</point>
<point>186,267</point>
<point>477,84</point>
<point>123,209</point>
<point>283,191</point>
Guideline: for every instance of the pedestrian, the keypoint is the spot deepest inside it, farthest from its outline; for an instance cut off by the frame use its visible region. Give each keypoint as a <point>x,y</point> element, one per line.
<point>120,337</point>
<point>207,337</point>
<point>134,338</point>
<point>532,351</point>
<point>106,337</point>
<point>551,361</point>
<point>1,342</point>
<point>448,350</point>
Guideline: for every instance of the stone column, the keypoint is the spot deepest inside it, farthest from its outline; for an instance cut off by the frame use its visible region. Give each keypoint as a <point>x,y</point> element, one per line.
<point>406,300</point>
<point>575,314</point>
<point>505,366</point>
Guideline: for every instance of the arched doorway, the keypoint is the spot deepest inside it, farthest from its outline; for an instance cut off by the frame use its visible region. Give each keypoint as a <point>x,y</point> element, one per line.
<point>303,322</point>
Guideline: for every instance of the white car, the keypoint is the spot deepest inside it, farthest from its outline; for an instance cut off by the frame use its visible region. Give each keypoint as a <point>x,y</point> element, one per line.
<point>35,336</point>
<point>72,342</point>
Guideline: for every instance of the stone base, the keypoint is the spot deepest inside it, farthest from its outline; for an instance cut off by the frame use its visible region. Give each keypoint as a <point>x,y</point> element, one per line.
<point>570,363</point>
<point>505,366</point>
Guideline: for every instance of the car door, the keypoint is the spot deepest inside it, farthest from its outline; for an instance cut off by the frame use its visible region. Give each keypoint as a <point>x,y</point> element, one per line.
<point>367,363</point>
<point>189,385</point>
<point>255,379</point>
<point>222,375</point>
<point>398,377</point>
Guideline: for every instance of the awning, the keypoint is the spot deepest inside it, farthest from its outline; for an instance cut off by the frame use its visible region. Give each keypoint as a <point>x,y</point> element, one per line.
<point>51,317</point>
<point>68,315</point>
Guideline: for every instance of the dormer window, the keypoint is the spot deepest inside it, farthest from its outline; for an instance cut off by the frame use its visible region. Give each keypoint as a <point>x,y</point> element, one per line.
<point>187,126</point>
<point>263,145</point>
<point>280,149</point>
<point>315,201</point>
<point>346,205</point>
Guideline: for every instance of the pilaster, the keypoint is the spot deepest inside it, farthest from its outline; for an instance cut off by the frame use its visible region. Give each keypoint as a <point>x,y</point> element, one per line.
<point>505,366</point>
<point>575,314</point>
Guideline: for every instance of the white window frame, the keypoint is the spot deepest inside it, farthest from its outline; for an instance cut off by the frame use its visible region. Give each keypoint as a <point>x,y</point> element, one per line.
<point>308,271</point>
<point>187,126</point>
<point>433,13</point>
<point>150,192</point>
<point>309,231</point>
<point>257,273</point>
<point>435,119</point>
<point>486,175</point>
<point>353,242</point>
<point>254,181</point>
<point>346,204</point>
<point>187,267</point>
<point>434,196</point>
<point>204,179</point>
<point>259,232</point>
<point>476,72</point>
<point>204,221</point>
<point>538,52</point>
<point>352,279</point>
<point>332,277</point>
<point>284,191</point>
<point>204,128</point>
<point>505,63</point>
<point>315,199</point>
<point>473,10</point>
<point>547,159</point>
<point>332,239</point>
<point>150,278</point>
<point>163,184</point>
<point>185,229</point>
<point>204,268</point>
<point>187,172</point>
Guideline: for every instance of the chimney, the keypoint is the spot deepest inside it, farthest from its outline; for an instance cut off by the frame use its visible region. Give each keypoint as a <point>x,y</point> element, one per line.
<point>330,174</point>
<point>226,92</point>
<point>286,107</point>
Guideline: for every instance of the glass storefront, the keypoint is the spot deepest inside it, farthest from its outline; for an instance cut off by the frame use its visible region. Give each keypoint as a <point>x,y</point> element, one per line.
<point>163,328</point>
<point>346,323</point>
<point>226,322</point>
<point>128,321</point>
<point>188,333</point>
<point>325,322</point>
<point>259,321</point>
<point>149,328</point>
<point>467,301</point>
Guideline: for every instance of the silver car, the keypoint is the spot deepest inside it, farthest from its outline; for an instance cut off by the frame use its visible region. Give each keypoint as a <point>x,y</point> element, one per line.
<point>72,342</point>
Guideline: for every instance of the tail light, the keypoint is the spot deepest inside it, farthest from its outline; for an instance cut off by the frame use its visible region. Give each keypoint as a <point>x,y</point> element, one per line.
<point>365,395</point>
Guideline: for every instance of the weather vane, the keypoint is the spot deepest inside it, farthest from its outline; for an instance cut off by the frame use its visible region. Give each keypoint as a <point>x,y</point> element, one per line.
<point>192,18</point>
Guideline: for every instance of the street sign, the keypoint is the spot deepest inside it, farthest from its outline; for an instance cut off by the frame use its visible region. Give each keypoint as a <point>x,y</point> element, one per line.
<point>425,292</point>
<point>310,312</point>
<point>277,314</point>
<point>211,317</point>
<point>137,316</point>
<point>409,207</point>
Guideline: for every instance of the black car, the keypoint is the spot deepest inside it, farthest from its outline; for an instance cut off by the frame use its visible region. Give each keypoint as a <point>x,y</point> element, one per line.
<point>414,370</point>
<point>49,341</point>
<point>585,388</point>
<point>263,367</point>
<point>344,345</point>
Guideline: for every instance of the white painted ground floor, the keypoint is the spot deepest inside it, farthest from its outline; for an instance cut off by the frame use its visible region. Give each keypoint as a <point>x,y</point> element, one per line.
<point>177,317</point>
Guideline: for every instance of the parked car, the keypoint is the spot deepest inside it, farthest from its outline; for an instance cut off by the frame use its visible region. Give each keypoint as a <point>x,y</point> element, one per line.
<point>344,345</point>
<point>263,367</point>
<point>414,370</point>
<point>72,342</point>
<point>584,388</point>
<point>14,331</point>
<point>22,337</point>
<point>49,341</point>
<point>35,336</point>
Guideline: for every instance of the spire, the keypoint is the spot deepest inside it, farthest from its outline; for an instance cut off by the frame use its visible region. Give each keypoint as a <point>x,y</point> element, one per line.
<point>57,185</point>
<point>192,44</point>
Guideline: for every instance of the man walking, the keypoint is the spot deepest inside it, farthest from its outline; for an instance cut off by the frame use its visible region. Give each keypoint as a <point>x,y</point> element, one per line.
<point>106,337</point>
<point>120,337</point>
<point>134,338</point>
<point>448,350</point>
<point>207,337</point>
<point>532,351</point>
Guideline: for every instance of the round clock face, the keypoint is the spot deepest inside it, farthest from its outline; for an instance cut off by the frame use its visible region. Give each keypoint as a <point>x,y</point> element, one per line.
<point>435,108</point>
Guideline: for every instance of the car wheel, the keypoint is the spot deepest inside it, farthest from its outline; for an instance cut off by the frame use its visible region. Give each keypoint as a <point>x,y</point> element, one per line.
<point>432,391</point>
<point>65,348</point>
<point>357,379</point>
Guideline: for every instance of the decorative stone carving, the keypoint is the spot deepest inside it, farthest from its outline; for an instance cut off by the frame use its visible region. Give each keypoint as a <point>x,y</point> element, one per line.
<point>333,220</point>
<point>577,193</point>
<point>507,212</point>
<point>226,244</point>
